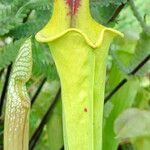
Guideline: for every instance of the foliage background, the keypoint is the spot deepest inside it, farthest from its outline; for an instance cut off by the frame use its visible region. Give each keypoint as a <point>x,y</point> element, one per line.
<point>20,19</point>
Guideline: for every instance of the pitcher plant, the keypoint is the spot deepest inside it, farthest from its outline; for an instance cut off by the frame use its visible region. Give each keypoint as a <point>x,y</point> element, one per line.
<point>79,46</point>
<point>16,131</point>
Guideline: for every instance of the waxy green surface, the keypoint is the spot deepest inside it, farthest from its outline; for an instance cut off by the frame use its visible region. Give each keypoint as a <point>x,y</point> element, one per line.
<point>79,46</point>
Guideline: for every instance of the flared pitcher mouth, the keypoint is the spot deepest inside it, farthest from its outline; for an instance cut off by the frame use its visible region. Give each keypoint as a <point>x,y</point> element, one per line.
<point>46,39</point>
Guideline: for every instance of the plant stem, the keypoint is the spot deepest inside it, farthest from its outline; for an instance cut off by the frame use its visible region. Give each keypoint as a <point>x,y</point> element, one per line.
<point>4,91</point>
<point>38,91</point>
<point>116,13</point>
<point>133,72</point>
<point>36,135</point>
<point>1,72</point>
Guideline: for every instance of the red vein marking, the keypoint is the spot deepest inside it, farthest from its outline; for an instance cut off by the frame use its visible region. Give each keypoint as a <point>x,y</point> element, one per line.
<point>85,110</point>
<point>74,5</point>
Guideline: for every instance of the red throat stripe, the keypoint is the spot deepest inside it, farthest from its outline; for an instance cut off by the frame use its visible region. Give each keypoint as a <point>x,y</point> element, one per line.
<point>74,5</point>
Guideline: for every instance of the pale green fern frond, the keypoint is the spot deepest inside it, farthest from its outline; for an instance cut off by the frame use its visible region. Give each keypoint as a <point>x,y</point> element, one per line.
<point>13,14</point>
<point>8,53</point>
<point>32,26</point>
<point>43,64</point>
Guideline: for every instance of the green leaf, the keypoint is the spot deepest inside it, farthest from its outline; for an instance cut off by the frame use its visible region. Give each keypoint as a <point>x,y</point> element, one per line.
<point>122,100</point>
<point>142,99</point>
<point>42,103</point>
<point>128,57</point>
<point>102,13</point>
<point>126,19</point>
<point>132,123</point>
<point>55,128</point>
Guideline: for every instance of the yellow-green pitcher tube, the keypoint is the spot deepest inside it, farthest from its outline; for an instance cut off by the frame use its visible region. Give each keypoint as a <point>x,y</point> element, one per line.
<point>79,46</point>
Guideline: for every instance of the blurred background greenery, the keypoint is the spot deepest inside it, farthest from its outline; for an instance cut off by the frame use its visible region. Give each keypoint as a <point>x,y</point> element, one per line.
<point>127,104</point>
